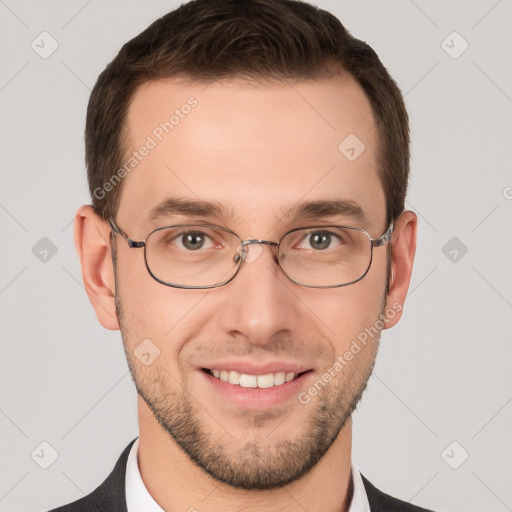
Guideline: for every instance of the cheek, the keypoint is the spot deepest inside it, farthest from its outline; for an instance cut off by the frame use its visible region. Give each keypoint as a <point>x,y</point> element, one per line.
<point>347,312</point>
<point>151,309</point>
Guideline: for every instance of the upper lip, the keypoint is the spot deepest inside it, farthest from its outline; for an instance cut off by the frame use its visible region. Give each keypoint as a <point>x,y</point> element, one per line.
<point>253,368</point>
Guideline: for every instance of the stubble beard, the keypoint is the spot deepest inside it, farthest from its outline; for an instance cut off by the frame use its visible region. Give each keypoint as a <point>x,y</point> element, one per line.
<point>256,464</point>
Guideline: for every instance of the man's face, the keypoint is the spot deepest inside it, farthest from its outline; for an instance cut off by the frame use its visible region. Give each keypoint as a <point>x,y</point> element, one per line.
<point>260,151</point>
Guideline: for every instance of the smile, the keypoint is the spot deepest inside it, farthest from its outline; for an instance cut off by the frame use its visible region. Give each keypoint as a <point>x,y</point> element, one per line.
<point>244,380</point>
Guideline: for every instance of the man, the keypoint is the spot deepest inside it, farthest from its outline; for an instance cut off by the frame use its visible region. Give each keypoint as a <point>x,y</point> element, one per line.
<point>248,164</point>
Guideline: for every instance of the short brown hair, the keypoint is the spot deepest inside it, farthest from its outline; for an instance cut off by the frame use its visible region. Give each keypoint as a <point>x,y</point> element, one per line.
<point>255,39</point>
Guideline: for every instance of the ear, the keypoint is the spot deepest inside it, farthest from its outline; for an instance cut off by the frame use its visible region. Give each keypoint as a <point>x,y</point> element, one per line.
<point>92,241</point>
<point>403,249</point>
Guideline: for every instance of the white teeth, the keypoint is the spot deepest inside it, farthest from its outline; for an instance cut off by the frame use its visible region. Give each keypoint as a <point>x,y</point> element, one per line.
<point>234,378</point>
<point>279,378</point>
<point>266,381</point>
<point>248,381</point>
<point>244,380</point>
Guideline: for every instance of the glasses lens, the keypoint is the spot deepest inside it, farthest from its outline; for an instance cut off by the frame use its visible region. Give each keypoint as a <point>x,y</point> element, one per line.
<point>203,256</point>
<point>325,256</point>
<point>192,256</point>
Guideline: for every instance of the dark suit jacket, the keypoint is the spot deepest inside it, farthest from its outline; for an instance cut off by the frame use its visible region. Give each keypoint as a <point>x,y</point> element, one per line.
<point>110,495</point>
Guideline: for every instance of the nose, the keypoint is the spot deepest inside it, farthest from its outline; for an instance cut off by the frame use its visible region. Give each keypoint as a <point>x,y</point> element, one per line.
<point>258,303</point>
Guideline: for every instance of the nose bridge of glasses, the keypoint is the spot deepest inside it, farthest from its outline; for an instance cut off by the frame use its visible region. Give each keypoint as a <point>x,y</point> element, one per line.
<point>249,241</point>
<point>242,252</point>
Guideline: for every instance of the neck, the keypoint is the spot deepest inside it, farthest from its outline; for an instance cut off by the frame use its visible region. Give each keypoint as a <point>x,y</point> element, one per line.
<point>176,483</point>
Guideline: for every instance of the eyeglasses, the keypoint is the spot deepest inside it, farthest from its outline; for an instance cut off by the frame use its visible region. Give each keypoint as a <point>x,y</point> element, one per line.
<point>204,256</point>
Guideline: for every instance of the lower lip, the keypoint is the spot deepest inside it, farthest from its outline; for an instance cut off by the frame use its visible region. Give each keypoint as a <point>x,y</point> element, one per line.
<point>258,398</point>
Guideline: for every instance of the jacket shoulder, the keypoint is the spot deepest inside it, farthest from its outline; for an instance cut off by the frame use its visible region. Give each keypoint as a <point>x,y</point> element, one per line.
<point>381,502</point>
<point>110,495</point>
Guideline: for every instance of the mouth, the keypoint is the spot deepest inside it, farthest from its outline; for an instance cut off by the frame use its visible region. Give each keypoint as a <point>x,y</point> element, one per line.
<point>244,380</point>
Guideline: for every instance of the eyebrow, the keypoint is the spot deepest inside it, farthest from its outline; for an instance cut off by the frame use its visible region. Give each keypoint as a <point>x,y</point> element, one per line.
<point>328,208</point>
<point>309,210</point>
<point>190,207</point>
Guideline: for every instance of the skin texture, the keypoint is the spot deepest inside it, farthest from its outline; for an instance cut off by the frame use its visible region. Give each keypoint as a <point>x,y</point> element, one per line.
<point>259,150</point>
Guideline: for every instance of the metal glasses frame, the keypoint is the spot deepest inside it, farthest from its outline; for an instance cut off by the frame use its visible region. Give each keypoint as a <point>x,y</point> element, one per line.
<point>137,244</point>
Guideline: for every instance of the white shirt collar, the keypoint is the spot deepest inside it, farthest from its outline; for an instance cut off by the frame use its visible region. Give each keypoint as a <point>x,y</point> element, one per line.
<point>138,497</point>
<point>359,501</point>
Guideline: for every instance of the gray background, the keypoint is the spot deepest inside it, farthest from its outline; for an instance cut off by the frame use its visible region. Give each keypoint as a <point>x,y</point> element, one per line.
<point>443,374</point>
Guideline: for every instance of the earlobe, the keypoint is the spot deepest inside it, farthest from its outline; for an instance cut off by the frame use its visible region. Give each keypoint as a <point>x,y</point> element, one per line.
<point>403,250</point>
<point>92,241</point>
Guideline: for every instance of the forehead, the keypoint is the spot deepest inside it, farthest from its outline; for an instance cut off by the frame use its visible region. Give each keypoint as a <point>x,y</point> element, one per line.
<point>257,149</point>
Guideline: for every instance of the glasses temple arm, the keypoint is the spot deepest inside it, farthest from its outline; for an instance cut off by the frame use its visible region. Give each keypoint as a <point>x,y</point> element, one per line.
<point>385,238</point>
<point>118,231</point>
